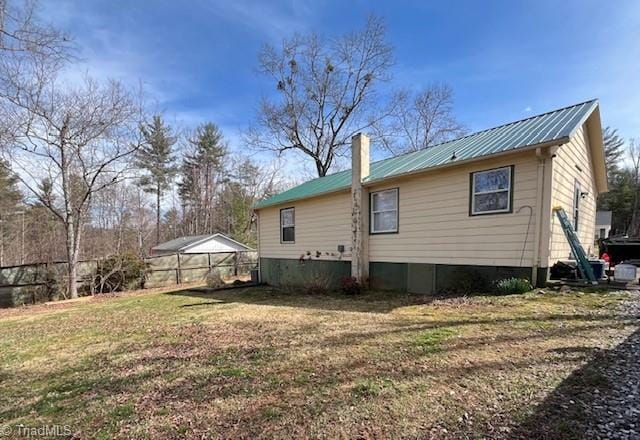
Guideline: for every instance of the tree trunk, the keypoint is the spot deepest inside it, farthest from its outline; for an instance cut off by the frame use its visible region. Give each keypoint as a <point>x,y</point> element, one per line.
<point>634,227</point>
<point>72,258</point>
<point>69,215</point>
<point>158,214</point>
<point>320,167</point>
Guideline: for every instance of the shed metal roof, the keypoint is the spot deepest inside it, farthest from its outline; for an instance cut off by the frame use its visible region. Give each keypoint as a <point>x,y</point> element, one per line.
<point>556,125</point>
<point>181,244</point>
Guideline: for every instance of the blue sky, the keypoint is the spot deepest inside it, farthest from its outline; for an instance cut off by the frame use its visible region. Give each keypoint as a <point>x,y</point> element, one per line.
<point>505,60</point>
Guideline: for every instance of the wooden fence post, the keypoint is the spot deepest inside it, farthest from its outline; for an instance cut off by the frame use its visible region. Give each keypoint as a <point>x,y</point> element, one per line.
<point>178,271</point>
<point>235,263</point>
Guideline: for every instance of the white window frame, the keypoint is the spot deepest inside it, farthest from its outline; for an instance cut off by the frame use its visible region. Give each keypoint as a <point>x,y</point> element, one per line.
<point>282,225</point>
<point>508,190</point>
<point>372,213</point>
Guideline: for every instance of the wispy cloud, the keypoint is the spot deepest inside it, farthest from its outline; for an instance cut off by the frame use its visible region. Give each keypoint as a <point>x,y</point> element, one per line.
<point>272,19</point>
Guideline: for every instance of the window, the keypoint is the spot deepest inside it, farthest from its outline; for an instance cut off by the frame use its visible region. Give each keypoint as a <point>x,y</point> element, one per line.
<point>577,196</point>
<point>384,211</point>
<point>288,225</point>
<point>491,191</point>
<point>603,233</point>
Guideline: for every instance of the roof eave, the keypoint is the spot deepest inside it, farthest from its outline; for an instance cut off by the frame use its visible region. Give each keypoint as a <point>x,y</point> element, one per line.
<point>367,183</point>
<point>598,158</point>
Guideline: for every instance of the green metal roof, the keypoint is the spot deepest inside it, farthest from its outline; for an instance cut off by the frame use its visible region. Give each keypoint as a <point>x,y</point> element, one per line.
<point>556,125</point>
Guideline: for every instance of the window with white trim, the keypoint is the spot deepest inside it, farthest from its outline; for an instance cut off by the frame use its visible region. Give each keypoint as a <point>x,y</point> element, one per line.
<point>288,225</point>
<point>384,211</point>
<point>491,191</point>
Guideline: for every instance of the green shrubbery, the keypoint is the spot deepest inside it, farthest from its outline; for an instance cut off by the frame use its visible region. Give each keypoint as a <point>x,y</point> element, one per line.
<point>513,286</point>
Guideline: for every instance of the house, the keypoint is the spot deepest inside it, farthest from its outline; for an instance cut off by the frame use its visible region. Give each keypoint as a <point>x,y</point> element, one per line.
<point>603,225</point>
<point>482,204</point>
<point>200,244</point>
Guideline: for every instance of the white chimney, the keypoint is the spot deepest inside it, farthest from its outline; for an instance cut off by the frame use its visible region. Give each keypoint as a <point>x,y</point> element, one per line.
<point>359,157</point>
<point>359,208</point>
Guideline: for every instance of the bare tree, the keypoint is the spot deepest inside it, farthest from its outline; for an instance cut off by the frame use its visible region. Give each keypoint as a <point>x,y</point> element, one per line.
<point>29,52</point>
<point>419,120</point>
<point>634,171</point>
<point>76,139</point>
<point>248,183</point>
<point>326,93</point>
<point>20,32</point>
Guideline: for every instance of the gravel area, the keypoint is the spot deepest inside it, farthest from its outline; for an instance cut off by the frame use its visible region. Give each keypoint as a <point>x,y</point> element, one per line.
<point>615,411</point>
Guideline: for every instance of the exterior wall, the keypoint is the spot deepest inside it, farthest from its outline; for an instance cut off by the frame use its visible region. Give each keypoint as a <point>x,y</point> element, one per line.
<point>573,163</point>
<point>321,223</point>
<point>435,225</point>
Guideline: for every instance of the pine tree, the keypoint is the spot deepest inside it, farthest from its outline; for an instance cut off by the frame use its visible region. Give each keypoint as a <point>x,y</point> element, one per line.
<point>202,175</point>
<point>156,158</point>
<point>10,194</point>
<point>10,197</point>
<point>614,150</point>
<point>617,199</point>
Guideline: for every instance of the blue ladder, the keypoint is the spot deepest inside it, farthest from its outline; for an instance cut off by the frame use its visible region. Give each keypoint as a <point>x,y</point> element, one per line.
<point>576,248</point>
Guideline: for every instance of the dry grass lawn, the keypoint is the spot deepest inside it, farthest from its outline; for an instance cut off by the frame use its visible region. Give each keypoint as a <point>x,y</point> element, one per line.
<point>255,363</point>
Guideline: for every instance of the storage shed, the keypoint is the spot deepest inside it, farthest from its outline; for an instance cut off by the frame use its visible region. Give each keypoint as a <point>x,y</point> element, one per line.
<point>200,244</point>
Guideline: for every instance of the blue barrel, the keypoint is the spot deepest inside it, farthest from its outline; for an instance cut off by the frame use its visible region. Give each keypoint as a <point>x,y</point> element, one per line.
<point>598,268</point>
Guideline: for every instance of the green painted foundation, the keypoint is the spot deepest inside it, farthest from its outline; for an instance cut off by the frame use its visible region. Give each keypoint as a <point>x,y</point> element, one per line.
<point>282,271</point>
<point>407,277</point>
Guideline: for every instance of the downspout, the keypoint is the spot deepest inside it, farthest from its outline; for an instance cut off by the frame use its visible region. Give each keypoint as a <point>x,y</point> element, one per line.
<point>257,213</point>
<point>542,159</point>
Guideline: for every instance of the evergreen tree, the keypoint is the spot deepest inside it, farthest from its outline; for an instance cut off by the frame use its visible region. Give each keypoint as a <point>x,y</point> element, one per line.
<point>156,158</point>
<point>203,175</point>
<point>619,197</point>
<point>241,196</point>
<point>10,197</point>
<point>614,150</point>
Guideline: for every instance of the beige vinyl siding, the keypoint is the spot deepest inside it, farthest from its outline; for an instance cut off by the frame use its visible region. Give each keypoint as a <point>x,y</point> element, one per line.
<point>435,225</point>
<point>565,174</point>
<point>322,223</point>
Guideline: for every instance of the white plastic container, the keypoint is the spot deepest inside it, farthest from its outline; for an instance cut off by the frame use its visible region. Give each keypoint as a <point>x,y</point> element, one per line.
<point>624,272</point>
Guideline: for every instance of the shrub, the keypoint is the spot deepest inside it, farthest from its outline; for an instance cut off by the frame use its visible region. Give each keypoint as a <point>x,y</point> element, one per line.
<point>512,286</point>
<point>350,286</point>
<point>214,279</point>
<point>120,272</point>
